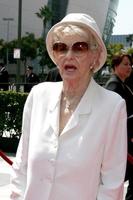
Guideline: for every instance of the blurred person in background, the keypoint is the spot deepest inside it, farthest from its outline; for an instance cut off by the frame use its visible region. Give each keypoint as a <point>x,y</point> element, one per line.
<point>129,80</point>
<point>4,77</point>
<point>31,79</point>
<point>122,69</point>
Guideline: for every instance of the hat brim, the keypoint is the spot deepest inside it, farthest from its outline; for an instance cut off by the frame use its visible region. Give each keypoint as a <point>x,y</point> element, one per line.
<point>103,53</point>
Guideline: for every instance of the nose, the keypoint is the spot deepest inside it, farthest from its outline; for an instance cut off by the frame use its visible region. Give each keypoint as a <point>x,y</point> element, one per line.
<point>69,53</point>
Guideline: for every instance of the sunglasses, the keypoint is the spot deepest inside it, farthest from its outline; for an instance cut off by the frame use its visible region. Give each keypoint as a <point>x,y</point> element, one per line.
<point>78,48</point>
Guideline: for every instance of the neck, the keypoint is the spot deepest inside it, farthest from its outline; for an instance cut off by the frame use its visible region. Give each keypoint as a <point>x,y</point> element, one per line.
<point>73,89</point>
<point>72,94</point>
<point>120,76</point>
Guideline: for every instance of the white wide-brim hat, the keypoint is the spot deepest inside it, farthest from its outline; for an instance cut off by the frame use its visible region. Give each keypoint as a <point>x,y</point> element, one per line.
<point>82,20</point>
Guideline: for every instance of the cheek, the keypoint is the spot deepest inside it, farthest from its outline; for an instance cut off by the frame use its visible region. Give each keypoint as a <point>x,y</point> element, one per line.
<point>125,70</point>
<point>58,62</point>
<point>92,58</point>
<point>86,62</point>
<point>84,66</point>
<point>59,65</point>
<point>120,70</point>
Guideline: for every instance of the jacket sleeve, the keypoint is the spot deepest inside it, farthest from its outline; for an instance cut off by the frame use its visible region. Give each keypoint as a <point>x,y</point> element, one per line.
<point>19,168</point>
<point>115,156</point>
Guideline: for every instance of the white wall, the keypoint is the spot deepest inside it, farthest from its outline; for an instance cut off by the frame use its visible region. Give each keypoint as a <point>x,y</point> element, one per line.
<point>96,8</point>
<point>30,22</point>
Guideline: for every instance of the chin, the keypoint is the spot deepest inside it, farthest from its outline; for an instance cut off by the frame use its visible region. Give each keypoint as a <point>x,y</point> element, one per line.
<point>69,76</point>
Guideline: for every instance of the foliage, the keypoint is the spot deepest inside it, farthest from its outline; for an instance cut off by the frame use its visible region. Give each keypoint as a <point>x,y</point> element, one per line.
<point>113,49</point>
<point>11,109</point>
<point>28,48</point>
<point>43,54</point>
<point>2,49</point>
<point>130,51</point>
<point>46,15</point>
<point>31,47</point>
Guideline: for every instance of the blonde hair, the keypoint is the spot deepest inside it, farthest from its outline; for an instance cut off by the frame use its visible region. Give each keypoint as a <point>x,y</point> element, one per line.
<point>70,29</point>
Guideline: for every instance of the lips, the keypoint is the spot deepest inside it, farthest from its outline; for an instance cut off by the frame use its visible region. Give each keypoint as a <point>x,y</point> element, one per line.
<point>70,67</point>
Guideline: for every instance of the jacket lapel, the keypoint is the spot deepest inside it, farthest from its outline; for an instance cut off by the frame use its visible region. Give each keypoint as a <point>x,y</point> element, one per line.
<point>84,107</point>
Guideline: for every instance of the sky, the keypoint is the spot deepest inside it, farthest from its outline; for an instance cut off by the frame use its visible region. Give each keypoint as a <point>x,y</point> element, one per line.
<point>124,19</point>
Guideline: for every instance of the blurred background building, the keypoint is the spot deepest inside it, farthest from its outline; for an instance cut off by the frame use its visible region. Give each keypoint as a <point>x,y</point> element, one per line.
<point>122,39</point>
<point>104,12</point>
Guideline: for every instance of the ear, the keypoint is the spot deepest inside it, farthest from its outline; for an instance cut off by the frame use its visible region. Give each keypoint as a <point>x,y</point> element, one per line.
<point>96,59</point>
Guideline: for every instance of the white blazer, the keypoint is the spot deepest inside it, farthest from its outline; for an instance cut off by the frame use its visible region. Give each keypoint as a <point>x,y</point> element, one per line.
<point>86,162</point>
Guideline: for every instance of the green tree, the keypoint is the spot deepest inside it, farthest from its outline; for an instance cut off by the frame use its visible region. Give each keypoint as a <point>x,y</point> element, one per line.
<point>113,49</point>
<point>46,15</point>
<point>42,52</point>
<point>28,47</point>
<point>2,49</point>
<point>130,51</point>
<point>31,48</point>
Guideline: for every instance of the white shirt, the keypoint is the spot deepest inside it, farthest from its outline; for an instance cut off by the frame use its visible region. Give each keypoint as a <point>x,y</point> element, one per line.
<point>86,162</point>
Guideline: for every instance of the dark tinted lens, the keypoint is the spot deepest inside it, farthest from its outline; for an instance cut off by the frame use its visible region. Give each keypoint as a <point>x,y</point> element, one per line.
<point>80,47</point>
<point>59,47</point>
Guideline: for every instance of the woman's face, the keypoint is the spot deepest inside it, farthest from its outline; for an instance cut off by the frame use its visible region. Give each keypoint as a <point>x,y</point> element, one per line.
<point>74,57</point>
<point>124,68</point>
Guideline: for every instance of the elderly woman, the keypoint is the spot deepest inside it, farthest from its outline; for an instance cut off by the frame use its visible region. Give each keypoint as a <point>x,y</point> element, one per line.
<point>68,150</point>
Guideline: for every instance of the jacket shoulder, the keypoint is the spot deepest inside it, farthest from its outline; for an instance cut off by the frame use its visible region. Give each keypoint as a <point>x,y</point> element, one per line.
<point>109,95</point>
<point>46,88</point>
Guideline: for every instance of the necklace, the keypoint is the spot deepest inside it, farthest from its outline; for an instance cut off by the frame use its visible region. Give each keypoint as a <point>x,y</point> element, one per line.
<point>70,104</point>
<point>67,105</point>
